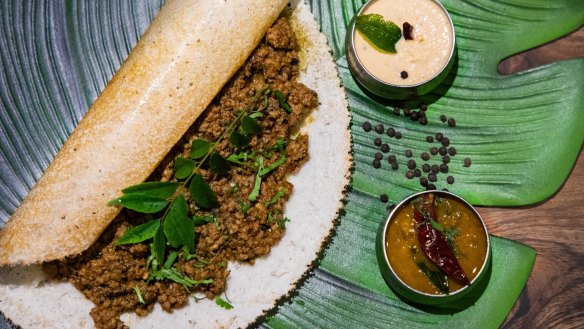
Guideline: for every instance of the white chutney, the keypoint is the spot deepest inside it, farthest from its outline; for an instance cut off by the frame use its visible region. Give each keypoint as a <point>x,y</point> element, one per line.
<point>422,58</point>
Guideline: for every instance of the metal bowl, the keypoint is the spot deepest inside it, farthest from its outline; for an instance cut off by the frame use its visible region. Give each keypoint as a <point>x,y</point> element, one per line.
<point>386,89</point>
<point>404,289</point>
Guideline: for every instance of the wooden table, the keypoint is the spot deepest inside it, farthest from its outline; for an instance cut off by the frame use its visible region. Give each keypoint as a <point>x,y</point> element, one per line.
<point>554,295</point>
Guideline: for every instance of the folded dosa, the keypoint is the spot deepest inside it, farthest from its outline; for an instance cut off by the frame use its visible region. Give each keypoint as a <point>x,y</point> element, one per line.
<point>179,65</point>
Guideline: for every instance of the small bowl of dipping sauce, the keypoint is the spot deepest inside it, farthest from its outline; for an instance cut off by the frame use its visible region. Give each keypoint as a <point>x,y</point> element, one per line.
<point>433,248</point>
<point>421,58</point>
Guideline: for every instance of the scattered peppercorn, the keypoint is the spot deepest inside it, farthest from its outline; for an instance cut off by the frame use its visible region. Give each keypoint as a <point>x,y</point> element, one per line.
<point>451,122</point>
<point>446,159</point>
<point>384,148</point>
<point>407,111</point>
<point>398,135</point>
<point>430,139</point>
<point>407,30</point>
<point>467,162</point>
<point>423,107</point>
<point>443,151</point>
<point>435,169</point>
<point>403,74</point>
<point>377,141</point>
<point>379,129</point>
<point>378,156</point>
<point>367,126</point>
<point>390,132</point>
<point>384,198</point>
<point>445,190</point>
<point>411,164</point>
<point>425,156</point>
<point>409,153</point>
<point>391,158</point>
<point>445,141</point>
<point>409,174</point>
<point>417,172</point>
<point>424,120</point>
<point>415,116</point>
<point>434,150</point>
<point>376,163</point>
<point>394,166</point>
<point>439,136</point>
<point>431,187</point>
<point>396,111</point>
<point>443,168</point>
<point>442,118</point>
<point>432,177</point>
<point>423,181</point>
<point>452,151</point>
<point>426,168</point>
<point>450,180</point>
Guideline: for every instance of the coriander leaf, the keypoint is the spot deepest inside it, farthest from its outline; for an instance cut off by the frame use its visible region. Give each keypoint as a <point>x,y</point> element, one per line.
<point>178,228</point>
<point>239,140</point>
<point>250,126</point>
<point>199,148</point>
<point>175,275</point>
<point>139,294</point>
<point>140,203</point>
<point>218,164</point>
<point>258,180</point>
<point>245,207</point>
<point>223,303</point>
<point>380,33</point>
<point>158,247</point>
<point>281,192</point>
<point>202,193</point>
<point>256,115</point>
<point>162,190</point>
<point>139,233</point>
<point>273,166</point>
<point>282,222</point>
<point>183,167</point>
<point>283,101</point>
<point>201,220</point>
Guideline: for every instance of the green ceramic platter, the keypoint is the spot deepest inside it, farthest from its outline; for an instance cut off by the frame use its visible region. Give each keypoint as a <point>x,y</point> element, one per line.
<point>523,133</point>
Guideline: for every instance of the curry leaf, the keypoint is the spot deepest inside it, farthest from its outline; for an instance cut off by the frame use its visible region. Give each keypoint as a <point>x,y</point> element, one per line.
<point>183,167</point>
<point>175,275</point>
<point>218,164</point>
<point>250,126</point>
<point>178,228</point>
<point>158,247</point>
<point>200,148</point>
<point>202,193</point>
<point>141,203</point>
<point>223,303</point>
<point>139,233</point>
<point>381,33</point>
<point>239,140</point>
<point>162,190</point>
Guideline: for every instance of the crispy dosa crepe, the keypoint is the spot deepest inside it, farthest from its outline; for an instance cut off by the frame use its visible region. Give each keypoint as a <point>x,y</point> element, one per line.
<point>30,299</point>
<point>185,57</point>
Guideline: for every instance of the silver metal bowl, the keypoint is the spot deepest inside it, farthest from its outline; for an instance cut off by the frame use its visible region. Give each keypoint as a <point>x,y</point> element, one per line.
<point>389,90</point>
<point>399,285</point>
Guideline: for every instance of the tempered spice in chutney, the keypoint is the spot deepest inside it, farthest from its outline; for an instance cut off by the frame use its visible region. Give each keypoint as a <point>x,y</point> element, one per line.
<point>464,233</point>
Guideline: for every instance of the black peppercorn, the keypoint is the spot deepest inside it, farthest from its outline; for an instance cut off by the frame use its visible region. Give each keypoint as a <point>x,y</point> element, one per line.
<point>451,122</point>
<point>378,156</point>
<point>431,187</point>
<point>450,180</point>
<point>446,159</point>
<point>407,31</point>
<point>430,139</point>
<point>442,118</point>
<point>407,111</point>
<point>452,151</point>
<point>384,148</point>
<point>432,177</point>
<point>435,169</point>
<point>434,150</point>
<point>390,132</point>
<point>411,164</point>
<point>445,141</point>
<point>426,168</point>
<point>379,129</point>
<point>384,198</point>
<point>396,111</point>
<point>417,172</point>
<point>443,168</point>
<point>394,166</point>
<point>377,141</point>
<point>439,136</point>
<point>398,135</point>
<point>467,162</point>
<point>367,126</point>
<point>425,156</point>
<point>409,153</point>
<point>424,120</point>
<point>443,151</point>
<point>423,181</point>
<point>403,74</point>
<point>409,174</point>
<point>376,163</point>
<point>415,116</point>
<point>391,158</point>
<point>423,107</point>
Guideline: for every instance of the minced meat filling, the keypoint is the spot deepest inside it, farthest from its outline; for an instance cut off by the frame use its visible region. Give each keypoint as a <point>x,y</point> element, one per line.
<point>241,230</point>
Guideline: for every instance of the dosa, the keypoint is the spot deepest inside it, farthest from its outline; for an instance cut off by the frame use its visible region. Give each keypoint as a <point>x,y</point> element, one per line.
<point>182,61</point>
<point>31,300</point>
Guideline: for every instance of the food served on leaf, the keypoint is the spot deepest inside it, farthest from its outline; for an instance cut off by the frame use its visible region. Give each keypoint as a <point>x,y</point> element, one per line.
<point>436,244</point>
<point>222,193</point>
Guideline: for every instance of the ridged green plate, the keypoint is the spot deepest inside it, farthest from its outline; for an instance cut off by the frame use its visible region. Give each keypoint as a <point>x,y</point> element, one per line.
<point>523,133</point>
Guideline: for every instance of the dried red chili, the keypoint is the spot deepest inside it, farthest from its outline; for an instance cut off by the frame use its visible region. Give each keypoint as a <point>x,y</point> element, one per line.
<point>433,242</point>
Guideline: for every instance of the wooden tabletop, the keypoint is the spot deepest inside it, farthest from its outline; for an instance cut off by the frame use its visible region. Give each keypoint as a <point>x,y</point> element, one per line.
<point>554,295</point>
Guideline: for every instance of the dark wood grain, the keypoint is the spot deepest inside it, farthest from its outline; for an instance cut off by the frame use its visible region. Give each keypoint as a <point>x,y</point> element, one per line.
<point>554,295</point>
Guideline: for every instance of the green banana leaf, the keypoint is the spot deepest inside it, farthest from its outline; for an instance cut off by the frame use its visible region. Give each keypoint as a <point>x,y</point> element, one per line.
<point>523,133</point>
